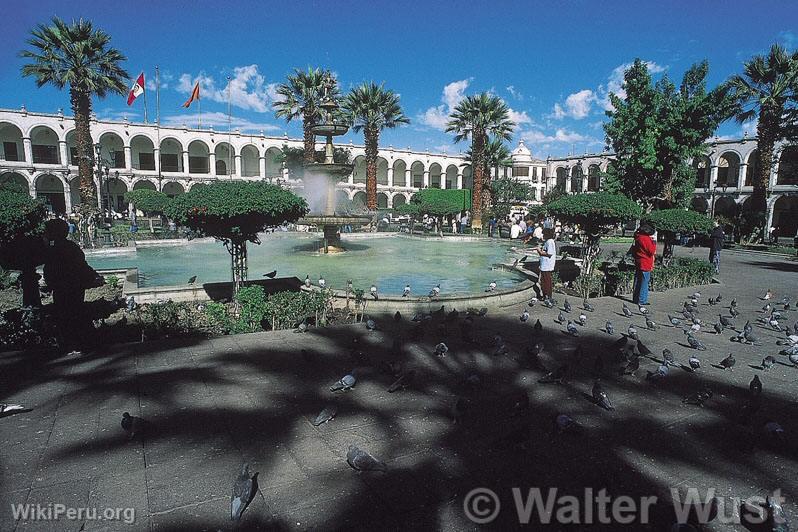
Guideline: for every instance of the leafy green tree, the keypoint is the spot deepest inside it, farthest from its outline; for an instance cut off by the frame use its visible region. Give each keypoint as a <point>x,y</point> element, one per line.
<point>506,192</point>
<point>595,214</point>
<point>669,222</point>
<point>371,108</point>
<point>477,117</point>
<point>79,56</point>
<point>438,204</point>
<point>150,202</point>
<point>234,212</point>
<point>657,129</point>
<point>768,90</point>
<point>21,245</point>
<point>300,97</point>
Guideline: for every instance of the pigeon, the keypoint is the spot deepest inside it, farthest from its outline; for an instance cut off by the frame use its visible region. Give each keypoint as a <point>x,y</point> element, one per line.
<point>768,295</point>
<point>632,331</point>
<point>532,302</point>
<point>793,358</point>
<point>403,381</point>
<point>698,398</point>
<point>397,316</point>
<point>587,306</point>
<point>360,460</point>
<point>768,362</point>
<point>441,349</point>
<point>766,308</point>
<point>560,318</point>
<point>718,327</point>
<point>491,287</point>
<point>719,298</point>
<point>734,312</point>
<point>608,328</point>
<point>548,303</point>
<point>244,489</point>
<point>728,362</point>
<point>482,311</point>
<point>694,362</point>
<point>750,338</point>
<point>733,302</point>
<point>406,291</point>
<point>302,327</point>
<point>643,310</point>
<point>626,311</point>
<point>696,295</point>
<point>8,409</point>
<point>307,281</point>
<point>650,325</point>
<point>524,316</point>
<point>322,282</point>
<point>755,387</point>
<point>347,382</point>
<point>747,328</point>
<point>133,425</point>
<point>582,319</point>
<point>571,328</point>
<point>130,304</point>
<point>726,322</point>
<point>676,322</point>
<point>327,414</point>
<point>556,376</point>
<point>373,292</point>
<point>712,301</point>
<point>776,516</point>
<point>371,324</point>
<point>435,292</point>
<point>192,279</point>
<point>537,328</point>
<point>695,343</point>
<point>656,376</point>
<point>533,356</point>
<point>566,305</point>
<point>667,357</point>
<point>632,366</point>
<point>271,275</point>
<point>600,397</point>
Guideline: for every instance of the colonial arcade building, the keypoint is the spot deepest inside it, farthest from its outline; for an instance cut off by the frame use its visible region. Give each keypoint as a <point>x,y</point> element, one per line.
<point>37,151</point>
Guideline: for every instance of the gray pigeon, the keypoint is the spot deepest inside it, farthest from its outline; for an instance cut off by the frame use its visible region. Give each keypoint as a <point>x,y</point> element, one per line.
<point>608,328</point>
<point>587,306</point>
<point>566,305</point>
<point>133,425</point>
<point>347,382</point>
<point>793,359</point>
<point>600,396</point>
<point>325,415</point>
<point>632,366</point>
<point>371,325</point>
<point>582,319</point>
<point>694,362</point>
<point>698,398</point>
<point>560,318</point>
<point>244,489</point>
<point>441,349</point>
<point>360,460</point>
<point>667,357</point>
<point>656,376</point>
<point>750,338</point>
<point>632,332</point>
<point>8,409</point>
<point>626,311</point>
<point>768,362</point>
<point>695,343</point>
<point>524,316</point>
<point>676,322</point>
<point>728,362</point>
<point>726,322</point>
<point>650,325</point>
<point>718,328</point>
<point>572,328</point>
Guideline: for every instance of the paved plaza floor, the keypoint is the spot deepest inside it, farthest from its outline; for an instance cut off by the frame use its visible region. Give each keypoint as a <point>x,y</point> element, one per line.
<point>212,405</point>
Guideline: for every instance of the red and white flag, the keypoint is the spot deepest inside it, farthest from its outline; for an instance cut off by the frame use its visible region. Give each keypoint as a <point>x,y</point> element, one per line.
<point>136,90</point>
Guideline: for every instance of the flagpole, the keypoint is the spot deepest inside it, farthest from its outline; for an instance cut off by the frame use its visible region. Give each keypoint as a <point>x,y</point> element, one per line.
<point>158,118</point>
<point>229,130</point>
<point>145,101</point>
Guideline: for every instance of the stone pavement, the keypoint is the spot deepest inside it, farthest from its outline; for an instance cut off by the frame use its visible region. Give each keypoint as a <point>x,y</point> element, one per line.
<point>214,404</point>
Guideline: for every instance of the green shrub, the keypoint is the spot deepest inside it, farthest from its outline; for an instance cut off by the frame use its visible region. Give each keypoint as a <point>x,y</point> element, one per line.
<point>112,281</point>
<point>218,319</point>
<point>286,309</point>
<point>253,308</point>
<point>682,272</point>
<point>6,279</point>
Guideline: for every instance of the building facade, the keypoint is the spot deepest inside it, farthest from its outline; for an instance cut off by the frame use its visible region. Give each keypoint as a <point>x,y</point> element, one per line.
<point>37,151</point>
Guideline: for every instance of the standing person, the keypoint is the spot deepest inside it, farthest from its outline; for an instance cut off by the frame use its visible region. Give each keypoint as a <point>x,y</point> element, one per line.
<point>492,226</point>
<point>464,222</point>
<point>68,276</point>
<point>716,238</point>
<point>515,230</point>
<point>538,233</point>
<point>522,225</point>
<point>548,259</point>
<point>644,250</point>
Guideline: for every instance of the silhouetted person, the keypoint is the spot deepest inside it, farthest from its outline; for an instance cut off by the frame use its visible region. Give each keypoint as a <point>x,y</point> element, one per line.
<point>68,275</point>
<point>716,238</point>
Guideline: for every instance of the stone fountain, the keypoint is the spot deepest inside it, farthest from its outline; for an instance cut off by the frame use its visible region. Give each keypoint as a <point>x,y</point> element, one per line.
<point>326,175</point>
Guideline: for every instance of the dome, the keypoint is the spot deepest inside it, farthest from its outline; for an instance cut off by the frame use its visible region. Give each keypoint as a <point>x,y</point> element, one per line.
<point>521,154</point>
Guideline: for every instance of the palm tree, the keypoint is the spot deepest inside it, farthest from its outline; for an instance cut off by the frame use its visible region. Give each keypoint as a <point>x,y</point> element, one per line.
<point>767,88</point>
<point>477,117</point>
<point>77,55</point>
<point>496,156</point>
<point>300,96</point>
<point>371,108</point>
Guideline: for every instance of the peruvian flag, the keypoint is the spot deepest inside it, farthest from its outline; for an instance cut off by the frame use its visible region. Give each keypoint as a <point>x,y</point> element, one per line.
<point>136,90</point>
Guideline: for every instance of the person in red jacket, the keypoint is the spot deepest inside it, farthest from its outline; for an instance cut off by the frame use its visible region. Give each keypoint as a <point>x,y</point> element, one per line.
<point>644,250</point>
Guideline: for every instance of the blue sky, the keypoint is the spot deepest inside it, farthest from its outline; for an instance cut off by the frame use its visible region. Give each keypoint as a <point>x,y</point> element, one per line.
<point>553,62</point>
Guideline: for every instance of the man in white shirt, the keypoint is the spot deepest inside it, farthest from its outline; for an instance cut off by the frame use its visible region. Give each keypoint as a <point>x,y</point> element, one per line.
<point>548,258</point>
<point>522,225</point>
<point>538,232</point>
<point>515,230</point>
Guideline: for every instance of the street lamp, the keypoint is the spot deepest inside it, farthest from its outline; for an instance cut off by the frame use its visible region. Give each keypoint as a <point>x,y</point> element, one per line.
<point>714,190</point>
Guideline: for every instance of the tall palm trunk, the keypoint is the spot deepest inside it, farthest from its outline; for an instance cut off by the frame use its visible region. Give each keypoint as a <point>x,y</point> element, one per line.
<point>372,150</point>
<point>761,182</point>
<point>309,153</point>
<point>81,107</point>
<point>478,155</point>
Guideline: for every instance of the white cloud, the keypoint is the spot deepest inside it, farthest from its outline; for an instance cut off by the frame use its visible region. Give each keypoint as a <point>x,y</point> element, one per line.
<point>438,116</point>
<point>577,105</point>
<point>560,136</point>
<point>164,78</point>
<point>247,88</point>
<point>519,117</point>
<point>515,93</point>
<point>220,120</point>
<point>615,82</point>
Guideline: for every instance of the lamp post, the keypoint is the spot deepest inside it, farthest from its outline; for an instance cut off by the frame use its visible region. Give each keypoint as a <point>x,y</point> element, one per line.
<point>714,190</point>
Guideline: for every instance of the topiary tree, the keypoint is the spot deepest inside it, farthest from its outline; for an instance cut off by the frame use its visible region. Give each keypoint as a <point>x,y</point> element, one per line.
<point>21,245</point>
<point>150,202</point>
<point>234,212</point>
<point>595,214</point>
<point>668,222</point>
<point>438,203</point>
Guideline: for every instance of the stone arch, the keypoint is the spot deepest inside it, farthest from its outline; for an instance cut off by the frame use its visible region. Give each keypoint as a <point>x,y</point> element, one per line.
<point>359,170</point>
<point>142,153</point>
<point>562,177</point>
<point>435,172</point>
<point>12,149</point>
<point>728,169</point>
<point>274,165</point>
<point>382,171</point>
<point>44,145</point>
<point>788,167</point>
<point>114,190</point>
<point>699,204</point>
<point>400,173</point>
<point>144,184</point>
<point>196,184</point>
<point>594,178</point>
<point>250,161</point>
<point>173,188</point>
<point>417,174</point>
<point>198,157</point>
<point>702,166</point>
<point>112,150</point>
<point>468,177</point>
<point>750,169</point>
<point>451,176</point>
<point>16,180</point>
<point>50,189</point>
<point>398,200</point>
<point>359,200</point>
<point>726,206</point>
<point>382,200</point>
<point>171,155</point>
<point>225,159</point>
<point>785,216</point>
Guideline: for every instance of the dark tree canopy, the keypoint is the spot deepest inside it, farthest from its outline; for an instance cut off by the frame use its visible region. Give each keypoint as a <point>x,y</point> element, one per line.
<point>236,210</point>
<point>438,202</point>
<point>679,221</point>
<point>151,202</point>
<point>20,216</point>
<point>506,192</point>
<point>595,213</point>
